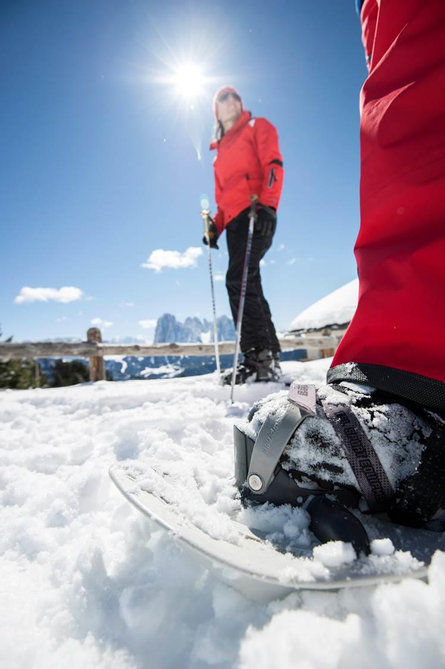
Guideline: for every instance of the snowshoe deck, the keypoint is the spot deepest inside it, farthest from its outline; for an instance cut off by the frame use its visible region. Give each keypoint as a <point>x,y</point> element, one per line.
<point>256,565</point>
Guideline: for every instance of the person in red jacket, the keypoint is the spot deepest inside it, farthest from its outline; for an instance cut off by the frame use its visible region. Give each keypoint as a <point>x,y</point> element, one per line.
<point>378,427</point>
<point>393,340</point>
<point>248,168</point>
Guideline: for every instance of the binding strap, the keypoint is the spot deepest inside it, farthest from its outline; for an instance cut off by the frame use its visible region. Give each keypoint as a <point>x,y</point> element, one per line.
<point>275,434</point>
<point>277,431</point>
<point>368,470</point>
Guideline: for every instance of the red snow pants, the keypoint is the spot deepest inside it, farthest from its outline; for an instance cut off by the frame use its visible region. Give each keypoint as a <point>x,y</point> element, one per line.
<point>398,330</point>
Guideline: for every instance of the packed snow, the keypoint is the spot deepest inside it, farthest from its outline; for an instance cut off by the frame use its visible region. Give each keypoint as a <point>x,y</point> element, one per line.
<point>86,580</point>
<point>337,308</point>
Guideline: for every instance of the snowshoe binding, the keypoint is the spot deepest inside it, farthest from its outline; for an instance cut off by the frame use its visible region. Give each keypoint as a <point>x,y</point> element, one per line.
<point>344,447</point>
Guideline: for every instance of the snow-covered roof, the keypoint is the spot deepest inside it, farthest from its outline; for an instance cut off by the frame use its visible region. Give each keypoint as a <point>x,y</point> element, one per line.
<point>337,308</point>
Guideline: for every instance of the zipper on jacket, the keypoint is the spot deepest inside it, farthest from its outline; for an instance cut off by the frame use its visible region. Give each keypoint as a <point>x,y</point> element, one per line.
<point>272,178</point>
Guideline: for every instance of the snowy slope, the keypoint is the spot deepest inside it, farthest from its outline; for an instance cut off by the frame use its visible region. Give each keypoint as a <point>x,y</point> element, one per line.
<point>86,581</point>
<point>336,308</point>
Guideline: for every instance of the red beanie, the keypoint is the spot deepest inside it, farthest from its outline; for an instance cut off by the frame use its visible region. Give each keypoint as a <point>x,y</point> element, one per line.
<point>220,91</point>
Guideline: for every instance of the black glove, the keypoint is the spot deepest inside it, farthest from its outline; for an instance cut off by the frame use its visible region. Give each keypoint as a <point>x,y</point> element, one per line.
<point>266,220</point>
<point>212,235</point>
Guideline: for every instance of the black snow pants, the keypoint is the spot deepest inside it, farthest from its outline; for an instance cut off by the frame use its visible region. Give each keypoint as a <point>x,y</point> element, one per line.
<point>257,329</point>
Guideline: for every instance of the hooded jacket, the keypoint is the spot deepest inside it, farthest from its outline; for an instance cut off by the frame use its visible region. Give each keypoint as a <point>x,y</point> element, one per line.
<point>248,161</point>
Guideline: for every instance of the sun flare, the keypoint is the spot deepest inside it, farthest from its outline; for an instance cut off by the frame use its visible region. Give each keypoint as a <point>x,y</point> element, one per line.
<point>188,80</point>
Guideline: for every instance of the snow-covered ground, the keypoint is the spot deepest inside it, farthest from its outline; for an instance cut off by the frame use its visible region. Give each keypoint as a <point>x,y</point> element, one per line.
<point>87,581</point>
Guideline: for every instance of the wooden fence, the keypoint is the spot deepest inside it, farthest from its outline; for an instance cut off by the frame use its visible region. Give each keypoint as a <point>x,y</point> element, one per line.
<point>95,350</point>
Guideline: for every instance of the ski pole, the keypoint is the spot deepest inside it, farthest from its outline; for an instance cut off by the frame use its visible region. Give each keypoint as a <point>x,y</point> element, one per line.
<point>239,320</point>
<point>206,218</point>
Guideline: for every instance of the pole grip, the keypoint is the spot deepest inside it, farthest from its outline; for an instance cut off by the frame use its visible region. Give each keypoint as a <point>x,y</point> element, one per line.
<point>206,219</point>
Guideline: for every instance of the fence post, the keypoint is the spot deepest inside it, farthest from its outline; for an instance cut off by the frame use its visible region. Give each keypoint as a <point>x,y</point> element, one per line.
<point>37,373</point>
<point>97,364</point>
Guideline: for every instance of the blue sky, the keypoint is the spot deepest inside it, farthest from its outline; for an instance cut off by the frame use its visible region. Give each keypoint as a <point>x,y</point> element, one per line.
<point>100,163</point>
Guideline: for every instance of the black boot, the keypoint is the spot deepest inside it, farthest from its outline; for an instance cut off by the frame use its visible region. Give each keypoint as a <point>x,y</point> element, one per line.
<point>349,442</point>
<point>257,365</point>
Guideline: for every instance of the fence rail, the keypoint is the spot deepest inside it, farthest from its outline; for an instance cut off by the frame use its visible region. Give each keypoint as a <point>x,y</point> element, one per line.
<point>95,350</point>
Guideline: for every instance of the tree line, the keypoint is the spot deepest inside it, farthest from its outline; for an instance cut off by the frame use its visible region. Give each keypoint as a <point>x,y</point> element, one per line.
<point>20,374</point>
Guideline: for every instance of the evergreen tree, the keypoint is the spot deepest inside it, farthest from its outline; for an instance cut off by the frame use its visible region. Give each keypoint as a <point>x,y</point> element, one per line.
<point>69,373</point>
<point>21,374</point>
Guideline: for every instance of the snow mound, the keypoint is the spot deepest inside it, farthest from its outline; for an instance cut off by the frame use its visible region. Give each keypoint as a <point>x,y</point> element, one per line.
<point>87,581</point>
<point>337,308</point>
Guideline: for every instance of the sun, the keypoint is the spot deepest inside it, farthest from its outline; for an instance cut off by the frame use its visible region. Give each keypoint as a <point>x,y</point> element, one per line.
<point>188,80</point>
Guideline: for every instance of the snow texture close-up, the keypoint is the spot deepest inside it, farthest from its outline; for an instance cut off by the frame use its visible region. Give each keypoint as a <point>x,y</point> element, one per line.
<point>87,580</point>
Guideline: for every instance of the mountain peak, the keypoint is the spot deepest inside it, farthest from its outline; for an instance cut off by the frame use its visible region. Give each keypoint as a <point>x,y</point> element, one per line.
<point>168,329</point>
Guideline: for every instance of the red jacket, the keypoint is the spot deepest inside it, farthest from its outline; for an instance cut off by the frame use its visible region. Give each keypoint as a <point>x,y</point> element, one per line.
<point>248,161</point>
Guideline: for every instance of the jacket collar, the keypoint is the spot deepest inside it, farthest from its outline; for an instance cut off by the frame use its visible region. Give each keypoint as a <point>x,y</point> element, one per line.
<point>243,120</point>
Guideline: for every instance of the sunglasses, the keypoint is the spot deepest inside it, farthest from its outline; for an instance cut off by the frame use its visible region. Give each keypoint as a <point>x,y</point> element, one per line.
<point>225,96</point>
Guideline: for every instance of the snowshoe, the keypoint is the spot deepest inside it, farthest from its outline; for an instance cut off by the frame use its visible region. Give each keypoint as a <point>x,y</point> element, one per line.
<point>257,365</point>
<point>342,447</point>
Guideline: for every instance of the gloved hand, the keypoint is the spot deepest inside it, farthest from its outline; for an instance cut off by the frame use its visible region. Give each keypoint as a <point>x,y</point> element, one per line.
<point>212,235</point>
<point>266,220</point>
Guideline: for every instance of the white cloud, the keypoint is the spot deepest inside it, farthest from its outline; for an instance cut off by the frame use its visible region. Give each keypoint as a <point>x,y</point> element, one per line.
<point>127,304</point>
<point>148,324</point>
<point>64,294</point>
<point>292,261</point>
<point>98,322</point>
<point>159,259</point>
<point>219,277</point>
